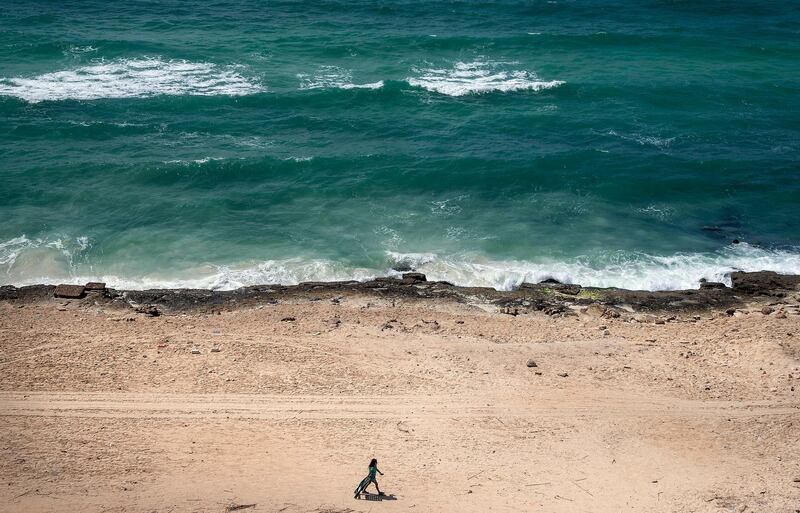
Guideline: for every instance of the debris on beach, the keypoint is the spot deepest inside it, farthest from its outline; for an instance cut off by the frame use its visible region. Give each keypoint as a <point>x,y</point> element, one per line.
<point>433,325</point>
<point>150,310</point>
<point>238,507</point>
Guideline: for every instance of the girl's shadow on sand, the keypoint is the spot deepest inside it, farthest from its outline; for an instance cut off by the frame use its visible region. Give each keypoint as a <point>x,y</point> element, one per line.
<point>376,497</point>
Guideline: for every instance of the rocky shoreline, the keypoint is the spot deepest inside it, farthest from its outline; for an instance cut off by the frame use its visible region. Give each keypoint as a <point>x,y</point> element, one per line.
<point>776,291</point>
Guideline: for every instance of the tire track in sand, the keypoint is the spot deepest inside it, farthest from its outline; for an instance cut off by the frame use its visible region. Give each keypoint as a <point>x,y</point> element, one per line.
<point>257,406</point>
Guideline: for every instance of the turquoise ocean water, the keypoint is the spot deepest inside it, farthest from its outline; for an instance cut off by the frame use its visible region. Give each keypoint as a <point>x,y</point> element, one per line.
<point>220,144</point>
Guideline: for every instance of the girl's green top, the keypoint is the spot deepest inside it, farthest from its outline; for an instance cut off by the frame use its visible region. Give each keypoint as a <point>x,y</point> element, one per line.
<point>372,472</point>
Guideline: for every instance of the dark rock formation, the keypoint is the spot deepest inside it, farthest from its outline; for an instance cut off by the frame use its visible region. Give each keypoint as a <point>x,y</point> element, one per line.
<point>69,291</point>
<point>414,277</point>
<point>551,284</point>
<point>549,298</point>
<point>764,283</point>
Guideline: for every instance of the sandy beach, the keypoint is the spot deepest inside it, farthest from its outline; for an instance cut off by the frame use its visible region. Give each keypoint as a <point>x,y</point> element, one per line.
<point>279,402</point>
<point>532,256</point>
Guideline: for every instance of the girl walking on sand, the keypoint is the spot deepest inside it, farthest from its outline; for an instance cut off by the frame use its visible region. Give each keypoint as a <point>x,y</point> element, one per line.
<point>362,486</point>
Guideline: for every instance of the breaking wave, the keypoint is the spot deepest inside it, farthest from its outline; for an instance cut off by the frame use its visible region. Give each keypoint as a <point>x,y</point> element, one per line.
<point>621,269</point>
<point>132,78</point>
<point>333,77</point>
<point>25,261</point>
<point>478,78</point>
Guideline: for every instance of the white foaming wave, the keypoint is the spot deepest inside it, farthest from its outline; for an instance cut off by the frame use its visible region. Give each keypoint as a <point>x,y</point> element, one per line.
<point>121,124</point>
<point>26,261</point>
<point>286,272</point>
<point>271,272</point>
<point>449,206</point>
<point>213,277</point>
<point>203,160</point>
<point>413,260</point>
<point>76,50</point>
<point>372,85</point>
<point>637,271</point>
<point>132,78</point>
<point>478,78</point>
<point>660,212</point>
<point>10,249</point>
<point>333,77</point>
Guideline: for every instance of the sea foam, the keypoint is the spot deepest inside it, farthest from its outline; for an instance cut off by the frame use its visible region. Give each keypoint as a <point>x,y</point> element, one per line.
<point>132,78</point>
<point>333,77</point>
<point>621,269</point>
<point>466,78</point>
<point>25,261</point>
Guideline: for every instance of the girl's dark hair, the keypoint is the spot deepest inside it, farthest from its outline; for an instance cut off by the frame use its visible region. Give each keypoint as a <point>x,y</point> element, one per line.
<point>373,463</point>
